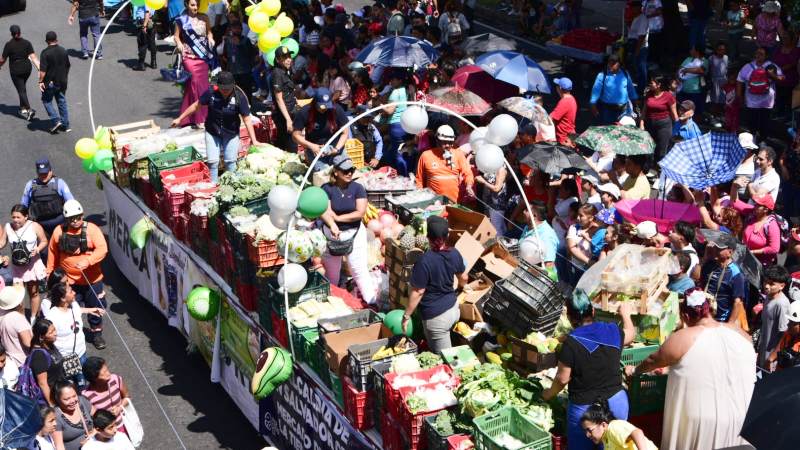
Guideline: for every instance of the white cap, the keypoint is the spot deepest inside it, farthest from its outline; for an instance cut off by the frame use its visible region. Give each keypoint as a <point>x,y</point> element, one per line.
<point>445,133</point>
<point>590,178</point>
<point>72,208</point>
<point>610,188</point>
<point>747,141</point>
<point>794,312</point>
<point>646,230</point>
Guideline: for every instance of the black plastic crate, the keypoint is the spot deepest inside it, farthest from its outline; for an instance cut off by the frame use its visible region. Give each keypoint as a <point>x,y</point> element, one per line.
<point>533,286</point>
<point>404,213</point>
<point>359,360</point>
<point>509,312</point>
<point>376,381</point>
<point>436,441</point>
<point>378,198</point>
<point>356,320</point>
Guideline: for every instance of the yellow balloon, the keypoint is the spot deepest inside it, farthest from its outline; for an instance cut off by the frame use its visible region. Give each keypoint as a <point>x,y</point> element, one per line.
<point>258,22</point>
<point>155,4</point>
<point>284,25</point>
<point>85,148</point>
<point>202,7</point>
<point>272,7</point>
<point>269,40</point>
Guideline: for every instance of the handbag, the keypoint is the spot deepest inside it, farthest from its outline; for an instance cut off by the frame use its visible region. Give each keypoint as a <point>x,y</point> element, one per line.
<point>176,73</point>
<point>71,362</point>
<point>133,426</point>
<point>342,247</point>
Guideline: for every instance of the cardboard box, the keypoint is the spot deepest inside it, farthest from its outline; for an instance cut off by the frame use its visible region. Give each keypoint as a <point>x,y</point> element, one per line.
<point>469,247</point>
<point>473,292</point>
<point>337,343</point>
<point>472,222</point>
<point>498,263</point>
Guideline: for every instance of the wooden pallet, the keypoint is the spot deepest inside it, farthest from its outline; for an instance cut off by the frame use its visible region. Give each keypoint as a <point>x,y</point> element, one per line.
<point>129,132</point>
<point>654,293</point>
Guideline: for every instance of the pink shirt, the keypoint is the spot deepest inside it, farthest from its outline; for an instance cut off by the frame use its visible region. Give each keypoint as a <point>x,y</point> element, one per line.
<point>11,324</point>
<point>767,237</point>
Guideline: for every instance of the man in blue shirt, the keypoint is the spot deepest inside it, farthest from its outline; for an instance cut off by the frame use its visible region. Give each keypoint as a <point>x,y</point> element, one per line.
<point>681,281</point>
<point>45,196</point>
<point>612,91</point>
<point>724,280</point>
<point>685,126</point>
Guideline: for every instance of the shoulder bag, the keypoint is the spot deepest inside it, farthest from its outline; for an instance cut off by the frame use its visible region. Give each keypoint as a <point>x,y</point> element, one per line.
<point>342,247</point>
<point>71,363</point>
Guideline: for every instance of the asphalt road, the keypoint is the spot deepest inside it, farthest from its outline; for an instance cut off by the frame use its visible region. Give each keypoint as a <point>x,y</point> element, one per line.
<point>203,415</point>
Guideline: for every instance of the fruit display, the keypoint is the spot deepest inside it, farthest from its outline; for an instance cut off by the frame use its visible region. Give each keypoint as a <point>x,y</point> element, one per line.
<point>389,351</point>
<point>414,235</point>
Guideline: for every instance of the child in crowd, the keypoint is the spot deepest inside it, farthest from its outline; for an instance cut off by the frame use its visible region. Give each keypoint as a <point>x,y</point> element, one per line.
<point>774,314</point>
<point>602,428</point>
<point>106,436</point>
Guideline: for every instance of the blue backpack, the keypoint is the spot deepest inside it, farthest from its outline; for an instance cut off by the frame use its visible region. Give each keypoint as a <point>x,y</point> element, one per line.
<point>27,384</point>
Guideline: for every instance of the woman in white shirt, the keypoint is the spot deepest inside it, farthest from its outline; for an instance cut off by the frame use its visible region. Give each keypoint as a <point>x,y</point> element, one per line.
<point>44,440</point>
<point>580,234</point>
<point>65,314</point>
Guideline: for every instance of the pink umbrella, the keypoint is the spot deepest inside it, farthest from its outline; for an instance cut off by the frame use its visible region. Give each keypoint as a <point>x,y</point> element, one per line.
<point>664,213</point>
<point>473,78</point>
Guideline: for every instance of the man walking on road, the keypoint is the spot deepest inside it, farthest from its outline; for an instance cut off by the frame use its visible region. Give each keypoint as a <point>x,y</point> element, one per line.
<point>53,72</point>
<point>89,14</point>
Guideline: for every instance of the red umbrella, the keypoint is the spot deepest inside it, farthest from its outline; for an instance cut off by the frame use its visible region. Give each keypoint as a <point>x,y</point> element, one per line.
<point>664,213</point>
<point>473,78</point>
<point>460,100</point>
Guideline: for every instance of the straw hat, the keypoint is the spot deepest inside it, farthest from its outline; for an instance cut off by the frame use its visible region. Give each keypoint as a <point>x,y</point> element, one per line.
<point>11,297</point>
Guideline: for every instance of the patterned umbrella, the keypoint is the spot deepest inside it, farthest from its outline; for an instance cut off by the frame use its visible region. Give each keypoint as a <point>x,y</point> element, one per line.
<point>398,51</point>
<point>474,79</point>
<point>621,139</point>
<point>487,42</point>
<point>704,161</point>
<point>551,158</point>
<point>525,107</point>
<point>515,68</point>
<point>459,100</point>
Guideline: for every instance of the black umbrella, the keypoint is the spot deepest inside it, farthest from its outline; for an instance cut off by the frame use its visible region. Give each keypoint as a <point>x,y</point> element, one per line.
<point>773,417</point>
<point>19,420</point>
<point>552,158</point>
<point>744,258</point>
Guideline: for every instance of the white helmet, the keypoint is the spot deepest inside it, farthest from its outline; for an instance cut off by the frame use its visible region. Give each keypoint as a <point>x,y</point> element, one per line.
<point>72,208</point>
<point>445,133</point>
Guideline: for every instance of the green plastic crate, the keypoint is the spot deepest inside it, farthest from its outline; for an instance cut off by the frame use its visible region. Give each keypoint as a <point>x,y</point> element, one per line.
<point>320,365</point>
<point>509,420</point>
<point>336,387</point>
<point>633,356</point>
<point>318,288</point>
<point>646,393</point>
<point>304,339</point>
<point>169,160</point>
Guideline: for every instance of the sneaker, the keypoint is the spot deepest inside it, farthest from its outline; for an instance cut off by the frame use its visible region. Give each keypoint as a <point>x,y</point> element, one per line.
<point>98,341</point>
<point>30,114</point>
<point>99,57</point>
<point>139,67</point>
<point>153,64</point>
<point>56,127</point>
<point>65,129</point>
<point>85,56</point>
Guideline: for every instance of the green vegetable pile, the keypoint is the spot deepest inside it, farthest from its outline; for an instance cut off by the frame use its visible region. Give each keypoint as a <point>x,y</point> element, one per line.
<point>449,423</point>
<point>427,360</point>
<point>416,404</point>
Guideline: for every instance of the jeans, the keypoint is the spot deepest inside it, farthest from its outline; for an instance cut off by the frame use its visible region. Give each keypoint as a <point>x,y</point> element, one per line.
<point>757,119</point>
<point>391,157</point>
<point>230,153</point>
<point>20,82</point>
<point>356,261</point>
<point>734,41</point>
<point>697,33</point>
<point>87,299</point>
<point>576,437</point>
<point>50,93</point>
<point>91,23</point>
<point>498,220</point>
<point>437,329</point>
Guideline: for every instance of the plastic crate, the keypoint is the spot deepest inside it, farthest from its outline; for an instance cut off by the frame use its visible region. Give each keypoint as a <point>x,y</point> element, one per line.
<point>320,365</point>
<point>646,392</point>
<point>533,286</point>
<point>413,424</point>
<point>200,226</point>
<point>509,420</point>
<point>359,359</point>
<point>146,192</point>
<point>336,387</point>
<point>265,317</point>
<point>357,405</point>
<point>404,211</point>
<point>560,442</point>
<point>306,346</point>
<point>394,402</point>
<point>317,288</point>
<point>196,193</point>
<point>650,424</point>
<point>158,162</point>
<point>355,150</point>
<point>378,198</point>
<point>377,377</point>
<point>196,172</point>
<point>263,254</point>
<point>506,311</point>
<point>435,440</point>
<point>391,434</point>
<point>510,245</point>
<point>279,330</point>
<point>358,319</point>
<point>633,356</point>
<point>457,442</point>
<point>247,295</point>
<point>528,356</point>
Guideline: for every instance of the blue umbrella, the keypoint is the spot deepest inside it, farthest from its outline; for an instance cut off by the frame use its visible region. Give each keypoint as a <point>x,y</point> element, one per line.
<point>516,69</point>
<point>398,51</point>
<point>704,161</point>
<point>19,420</point>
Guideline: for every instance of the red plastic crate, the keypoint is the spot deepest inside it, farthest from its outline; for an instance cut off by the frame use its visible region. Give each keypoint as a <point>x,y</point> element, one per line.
<point>172,202</point>
<point>180,224</point>
<point>247,294</point>
<point>392,399</point>
<point>146,192</point>
<point>559,442</point>
<point>174,176</point>
<point>279,330</point>
<point>215,255</point>
<point>194,193</point>
<point>651,424</point>
<point>391,434</point>
<point>412,424</point>
<point>454,441</point>
<point>265,254</point>
<point>199,226</point>
<point>357,405</point>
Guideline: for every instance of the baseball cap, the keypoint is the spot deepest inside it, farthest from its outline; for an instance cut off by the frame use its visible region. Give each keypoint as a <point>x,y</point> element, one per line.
<point>687,105</point>
<point>43,166</point>
<point>51,36</point>
<point>343,162</point>
<point>765,201</point>
<point>611,189</point>
<point>225,80</point>
<point>746,140</point>
<point>282,51</point>
<point>723,241</point>
<point>322,97</point>
<point>590,178</point>
<point>563,83</point>
<point>646,229</point>
<point>438,227</point>
<point>794,312</point>
<point>15,30</point>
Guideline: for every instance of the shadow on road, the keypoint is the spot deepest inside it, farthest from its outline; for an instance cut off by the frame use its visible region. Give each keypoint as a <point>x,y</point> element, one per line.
<point>170,107</point>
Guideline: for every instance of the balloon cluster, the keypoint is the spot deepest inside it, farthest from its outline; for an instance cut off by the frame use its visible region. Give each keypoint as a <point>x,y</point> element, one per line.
<point>485,141</point>
<point>273,28</point>
<point>152,4</point>
<point>95,153</point>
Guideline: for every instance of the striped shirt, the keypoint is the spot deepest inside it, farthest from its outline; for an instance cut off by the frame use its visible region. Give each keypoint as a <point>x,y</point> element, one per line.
<point>107,399</point>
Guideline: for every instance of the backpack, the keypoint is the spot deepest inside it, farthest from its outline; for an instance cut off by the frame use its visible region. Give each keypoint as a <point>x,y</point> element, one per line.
<point>45,201</point>
<point>27,384</point>
<point>20,256</point>
<point>453,26</point>
<point>758,83</point>
<point>786,231</point>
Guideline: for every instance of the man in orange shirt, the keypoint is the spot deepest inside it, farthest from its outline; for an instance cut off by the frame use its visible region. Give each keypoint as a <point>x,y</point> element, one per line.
<point>442,169</point>
<point>79,247</point>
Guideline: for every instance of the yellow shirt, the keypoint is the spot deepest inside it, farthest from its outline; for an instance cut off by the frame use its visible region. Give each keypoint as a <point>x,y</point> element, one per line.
<point>617,437</point>
<point>637,188</point>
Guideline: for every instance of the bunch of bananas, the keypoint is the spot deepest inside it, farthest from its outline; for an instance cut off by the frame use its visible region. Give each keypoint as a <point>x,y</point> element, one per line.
<point>372,213</point>
<point>386,352</point>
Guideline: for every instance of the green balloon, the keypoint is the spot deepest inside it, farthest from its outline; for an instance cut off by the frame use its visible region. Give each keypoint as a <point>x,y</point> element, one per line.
<point>137,2</point>
<point>271,56</point>
<point>394,322</point>
<point>292,45</point>
<point>203,303</point>
<point>313,202</point>
<point>103,159</point>
<point>88,165</point>
<point>139,233</point>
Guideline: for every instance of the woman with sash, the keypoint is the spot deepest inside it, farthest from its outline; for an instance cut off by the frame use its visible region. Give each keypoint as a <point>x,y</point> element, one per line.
<point>195,42</point>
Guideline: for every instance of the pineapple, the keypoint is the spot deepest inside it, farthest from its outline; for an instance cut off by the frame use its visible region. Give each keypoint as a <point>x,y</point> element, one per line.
<point>421,242</point>
<point>407,241</point>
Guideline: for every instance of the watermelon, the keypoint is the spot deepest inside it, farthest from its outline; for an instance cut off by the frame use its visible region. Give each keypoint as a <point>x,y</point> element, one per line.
<point>274,367</point>
<point>203,303</point>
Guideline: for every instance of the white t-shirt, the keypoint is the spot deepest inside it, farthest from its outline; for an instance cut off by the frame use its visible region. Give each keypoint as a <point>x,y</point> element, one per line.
<point>596,201</point>
<point>45,443</point>
<point>584,245</point>
<point>65,325</point>
<point>769,182</point>
<point>690,251</point>
<point>656,22</point>
<point>603,163</point>
<point>639,27</point>
<point>120,441</point>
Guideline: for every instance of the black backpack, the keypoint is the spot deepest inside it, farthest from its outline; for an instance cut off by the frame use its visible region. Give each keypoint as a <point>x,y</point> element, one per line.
<point>46,203</point>
<point>20,256</point>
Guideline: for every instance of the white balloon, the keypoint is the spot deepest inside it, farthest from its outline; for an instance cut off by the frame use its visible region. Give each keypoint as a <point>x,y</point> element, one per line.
<point>293,277</point>
<point>502,130</point>
<point>531,250</point>
<point>282,198</point>
<point>489,158</point>
<point>414,119</point>
<point>280,219</point>
<point>478,137</point>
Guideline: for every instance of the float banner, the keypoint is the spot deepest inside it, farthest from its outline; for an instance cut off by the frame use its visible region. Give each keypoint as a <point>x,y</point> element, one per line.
<point>298,416</point>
